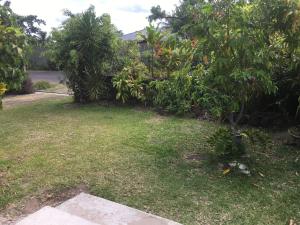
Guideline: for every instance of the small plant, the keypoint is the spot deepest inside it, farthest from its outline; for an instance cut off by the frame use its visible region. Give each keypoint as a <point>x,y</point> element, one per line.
<point>232,145</point>
<point>257,137</point>
<point>42,85</point>
<point>227,144</point>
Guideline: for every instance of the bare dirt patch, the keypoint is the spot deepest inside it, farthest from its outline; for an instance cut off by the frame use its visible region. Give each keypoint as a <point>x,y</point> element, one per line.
<point>29,205</point>
<point>197,157</point>
<point>12,101</point>
<point>157,119</point>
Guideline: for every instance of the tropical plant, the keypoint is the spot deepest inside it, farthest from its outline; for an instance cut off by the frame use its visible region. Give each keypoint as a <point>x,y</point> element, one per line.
<point>153,38</point>
<point>242,33</point>
<point>130,83</point>
<point>279,22</point>
<point>127,53</point>
<point>85,47</point>
<point>175,93</point>
<point>227,145</point>
<point>29,24</point>
<point>12,46</point>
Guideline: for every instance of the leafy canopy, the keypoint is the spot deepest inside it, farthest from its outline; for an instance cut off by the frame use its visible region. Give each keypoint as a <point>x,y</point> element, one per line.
<point>12,46</point>
<point>248,47</point>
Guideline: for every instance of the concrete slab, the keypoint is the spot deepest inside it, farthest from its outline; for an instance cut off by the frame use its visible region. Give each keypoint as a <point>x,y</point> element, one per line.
<point>52,216</point>
<point>102,211</point>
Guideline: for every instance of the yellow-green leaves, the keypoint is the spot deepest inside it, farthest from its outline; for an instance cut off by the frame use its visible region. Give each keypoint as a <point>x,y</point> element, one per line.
<point>2,91</point>
<point>3,88</point>
<point>12,57</point>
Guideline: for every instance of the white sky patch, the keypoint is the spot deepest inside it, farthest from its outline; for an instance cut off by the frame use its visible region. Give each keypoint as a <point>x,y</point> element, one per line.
<point>127,15</point>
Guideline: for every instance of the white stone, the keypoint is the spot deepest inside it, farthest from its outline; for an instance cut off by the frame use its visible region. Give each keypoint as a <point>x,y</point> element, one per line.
<point>242,166</point>
<point>52,216</point>
<point>102,211</point>
<point>232,164</point>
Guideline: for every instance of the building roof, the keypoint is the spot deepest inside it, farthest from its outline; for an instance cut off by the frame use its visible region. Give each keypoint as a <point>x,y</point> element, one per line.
<point>134,35</point>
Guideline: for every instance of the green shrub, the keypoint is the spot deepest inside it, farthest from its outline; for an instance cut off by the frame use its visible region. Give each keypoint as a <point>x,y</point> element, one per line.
<point>257,137</point>
<point>231,145</point>
<point>174,94</point>
<point>227,144</point>
<point>130,83</point>
<point>85,48</point>
<point>180,92</point>
<point>12,47</point>
<point>42,85</point>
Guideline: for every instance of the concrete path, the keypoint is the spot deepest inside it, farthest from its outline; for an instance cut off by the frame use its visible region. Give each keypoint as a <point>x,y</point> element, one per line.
<point>86,209</point>
<point>52,216</point>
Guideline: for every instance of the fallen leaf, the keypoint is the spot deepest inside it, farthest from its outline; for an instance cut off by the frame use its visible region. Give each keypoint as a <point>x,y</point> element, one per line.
<point>226,171</point>
<point>261,174</point>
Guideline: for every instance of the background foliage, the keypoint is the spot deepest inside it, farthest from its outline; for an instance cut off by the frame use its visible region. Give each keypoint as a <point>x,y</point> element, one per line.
<point>17,36</point>
<point>247,47</point>
<point>85,48</point>
<point>12,46</point>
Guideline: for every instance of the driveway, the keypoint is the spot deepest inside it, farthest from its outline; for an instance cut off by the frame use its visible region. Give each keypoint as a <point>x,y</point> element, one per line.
<point>50,76</point>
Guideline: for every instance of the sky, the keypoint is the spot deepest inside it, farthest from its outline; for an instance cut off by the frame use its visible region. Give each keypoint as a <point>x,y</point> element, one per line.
<point>127,15</point>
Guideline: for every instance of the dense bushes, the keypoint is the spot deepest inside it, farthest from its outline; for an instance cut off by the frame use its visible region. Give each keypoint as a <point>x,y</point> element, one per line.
<point>257,41</point>
<point>245,57</point>
<point>12,45</point>
<point>130,83</point>
<point>174,94</point>
<point>17,33</point>
<point>27,87</point>
<point>85,48</point>
<point>42,85</point>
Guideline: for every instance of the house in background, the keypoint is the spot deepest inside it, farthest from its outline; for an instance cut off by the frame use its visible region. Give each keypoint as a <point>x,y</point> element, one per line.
<point>134,36</point>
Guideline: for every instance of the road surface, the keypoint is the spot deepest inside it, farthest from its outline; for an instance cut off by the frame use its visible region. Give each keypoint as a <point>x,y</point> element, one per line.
<point>50,76</point>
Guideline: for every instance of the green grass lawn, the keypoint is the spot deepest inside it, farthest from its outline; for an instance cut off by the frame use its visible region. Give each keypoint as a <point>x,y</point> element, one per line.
<point>138,158</point>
